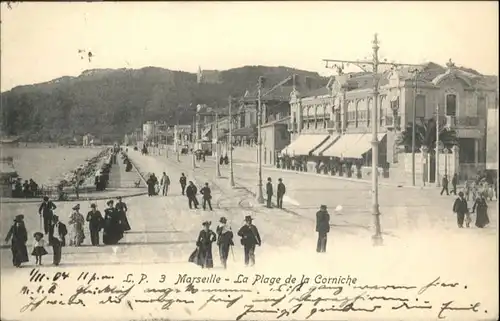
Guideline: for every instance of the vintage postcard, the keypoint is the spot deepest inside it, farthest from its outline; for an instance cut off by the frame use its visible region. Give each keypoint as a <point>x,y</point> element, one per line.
<point>249,161</point>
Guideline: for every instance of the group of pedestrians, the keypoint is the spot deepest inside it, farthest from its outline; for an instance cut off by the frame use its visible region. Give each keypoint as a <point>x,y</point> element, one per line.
<point>113,224</point>
<point>250,238</point>
<point>280,192</point>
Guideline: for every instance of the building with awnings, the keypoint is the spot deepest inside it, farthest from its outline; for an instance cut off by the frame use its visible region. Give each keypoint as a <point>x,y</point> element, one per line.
<point>343,110</point>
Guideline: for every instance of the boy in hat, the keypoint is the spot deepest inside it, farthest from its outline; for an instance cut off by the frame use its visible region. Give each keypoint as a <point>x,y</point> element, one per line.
<point>19,236</point>
<point>46,210</point>
<point>224,240</point>
<point>322,227</point>
<point>204,244</point>
<point>95,219</point>
<point>57,238</point>
<point>281,190</point>
<point>249,238</point>
<point>269,192</point>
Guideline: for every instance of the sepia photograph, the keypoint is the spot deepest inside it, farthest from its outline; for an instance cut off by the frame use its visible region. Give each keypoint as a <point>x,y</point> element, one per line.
<point>238,160</point>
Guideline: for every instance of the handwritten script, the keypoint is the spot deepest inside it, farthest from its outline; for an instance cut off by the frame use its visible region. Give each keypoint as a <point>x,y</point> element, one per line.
<point>251,296</point>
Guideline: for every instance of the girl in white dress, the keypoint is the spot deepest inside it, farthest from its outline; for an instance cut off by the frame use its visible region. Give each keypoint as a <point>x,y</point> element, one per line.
<point>38,248</point>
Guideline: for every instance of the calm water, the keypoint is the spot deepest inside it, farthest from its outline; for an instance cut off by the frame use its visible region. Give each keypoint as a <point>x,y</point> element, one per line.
<point>47,165</point>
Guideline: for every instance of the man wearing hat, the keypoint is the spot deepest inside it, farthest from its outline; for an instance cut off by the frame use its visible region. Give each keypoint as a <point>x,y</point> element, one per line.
<point>249,238</point>
<point>322,227</point>
<point>207,197</point>
<point>46,210</point>
<point>57,238</point>
<point>224,240</point>
<point>281,190</point>
<point>191,191</point>
<point>269,192</point>
<point>19,236</point>
<point>461,208</point>
<point>95,219</point>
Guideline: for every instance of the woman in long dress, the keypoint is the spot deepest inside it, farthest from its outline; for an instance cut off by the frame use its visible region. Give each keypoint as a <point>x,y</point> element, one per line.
<point>204,244</point>
<point>122,209</point>
<point>113,229</point>
<point>76,223</point>
<point>19,236</point>
<point>481,209</point>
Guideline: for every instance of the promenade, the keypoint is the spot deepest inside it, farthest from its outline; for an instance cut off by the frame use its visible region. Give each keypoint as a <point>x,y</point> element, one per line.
<point>419,233</point>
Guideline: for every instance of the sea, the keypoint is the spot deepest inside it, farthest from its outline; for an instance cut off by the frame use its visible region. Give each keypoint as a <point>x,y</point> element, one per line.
<point>47,164</point>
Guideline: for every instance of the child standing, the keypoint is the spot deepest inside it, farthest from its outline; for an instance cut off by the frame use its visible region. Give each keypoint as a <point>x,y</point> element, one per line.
<point>38,248</point>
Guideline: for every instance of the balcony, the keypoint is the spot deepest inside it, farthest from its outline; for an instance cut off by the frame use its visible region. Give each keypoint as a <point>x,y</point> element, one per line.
<point>462,122</point>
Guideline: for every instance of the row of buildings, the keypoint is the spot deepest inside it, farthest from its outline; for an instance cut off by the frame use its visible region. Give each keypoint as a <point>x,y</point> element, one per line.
<point>333,123</point>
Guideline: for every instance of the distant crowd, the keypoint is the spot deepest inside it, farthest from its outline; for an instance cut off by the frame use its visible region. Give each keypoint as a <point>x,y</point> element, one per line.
<point>28,189</point>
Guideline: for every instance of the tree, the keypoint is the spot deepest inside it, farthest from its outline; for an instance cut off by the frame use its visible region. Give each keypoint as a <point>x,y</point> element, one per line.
<point>425,136</point>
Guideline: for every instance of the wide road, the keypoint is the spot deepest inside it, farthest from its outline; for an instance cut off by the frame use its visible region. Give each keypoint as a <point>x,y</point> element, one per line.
<point>421,241</point>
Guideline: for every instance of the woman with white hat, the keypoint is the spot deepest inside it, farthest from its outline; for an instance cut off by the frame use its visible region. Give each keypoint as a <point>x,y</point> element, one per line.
<point>76,223</point>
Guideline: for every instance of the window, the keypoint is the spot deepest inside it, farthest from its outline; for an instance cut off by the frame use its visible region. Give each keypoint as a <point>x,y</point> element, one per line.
<point>481,106</point>
<point>451,105</point>
<point>420,106</point>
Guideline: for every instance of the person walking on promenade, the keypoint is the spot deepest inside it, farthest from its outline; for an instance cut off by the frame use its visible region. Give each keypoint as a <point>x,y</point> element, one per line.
<point>454,183</point>
<point>249,239</point>
<point>57,238</point>
<point>323,228</point>
<point>444,183</point>
<point>165,183</point>
<point>191,192</point>
<point>207,197</point>
<point>46,210</point>
<point>269,192</point>
<point>38,248</point>
<point>122,209</point>
<point>76,223</point>
<point>18,235</point>
<point>151,185</point>
<point>95,219</point>
<point>281,190</point>
<point>113,229</point>
<point>224,240</point>
<point>481,208</point>
<point>204,244</point>
<point>182,181</point>
<point>461,209</point>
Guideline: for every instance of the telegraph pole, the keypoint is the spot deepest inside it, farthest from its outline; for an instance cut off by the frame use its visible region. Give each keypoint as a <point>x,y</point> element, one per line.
<point>231,172</point>
<point>260,197</point>
<point>438,183</point>
<point>374,63</point>
<point>217,163</point>
<point>413,133</point>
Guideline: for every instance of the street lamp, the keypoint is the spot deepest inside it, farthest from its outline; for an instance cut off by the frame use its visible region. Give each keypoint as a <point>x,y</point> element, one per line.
<point>231,172</point>
<point>217,166</point>
<point>375,63</point>
<point>260,197</point>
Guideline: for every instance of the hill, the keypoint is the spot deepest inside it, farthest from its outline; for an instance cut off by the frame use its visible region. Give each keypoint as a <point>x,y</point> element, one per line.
<point>111,102</point>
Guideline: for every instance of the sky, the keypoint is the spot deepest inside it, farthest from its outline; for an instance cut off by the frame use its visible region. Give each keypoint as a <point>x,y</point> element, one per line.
<point>40,41</point>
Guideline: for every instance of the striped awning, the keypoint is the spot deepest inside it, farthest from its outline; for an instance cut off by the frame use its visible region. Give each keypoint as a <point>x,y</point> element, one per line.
<point>305,144</point>
<point>329,142</point>
<point>351,146</point>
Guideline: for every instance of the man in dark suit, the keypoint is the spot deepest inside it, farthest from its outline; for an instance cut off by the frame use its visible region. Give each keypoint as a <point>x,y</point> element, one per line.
<point>207,197</point>
<point>269,192</point>
<point>454,183</point>
<point>46,211</point>
<point>249,238</point>
<point>191,191</point>
<point>445,185</point>
<point>281,190</point>
<point>57,238</point>
<point>461,208</point>
<point>322,227</point>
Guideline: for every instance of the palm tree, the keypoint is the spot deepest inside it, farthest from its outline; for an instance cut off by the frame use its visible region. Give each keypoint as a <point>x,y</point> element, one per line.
<point>425,136</point>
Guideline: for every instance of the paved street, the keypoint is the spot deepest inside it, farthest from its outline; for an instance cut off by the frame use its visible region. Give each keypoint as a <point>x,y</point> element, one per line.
<point>420,231</point>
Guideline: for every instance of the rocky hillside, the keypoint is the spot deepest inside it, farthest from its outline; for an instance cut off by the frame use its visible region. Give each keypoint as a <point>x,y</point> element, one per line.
<point>110,103</point>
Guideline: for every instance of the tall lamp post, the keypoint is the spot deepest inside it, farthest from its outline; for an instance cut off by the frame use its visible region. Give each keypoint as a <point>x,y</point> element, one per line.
<point>374,63</point>
<point>217,166</point>
<point>260,197</point>
<point>231,172</point>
